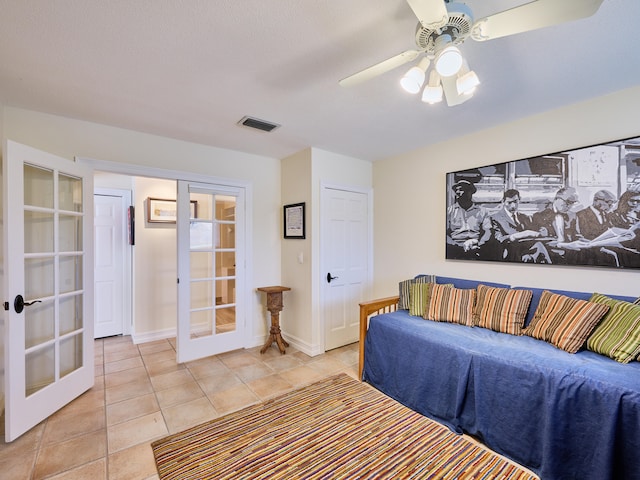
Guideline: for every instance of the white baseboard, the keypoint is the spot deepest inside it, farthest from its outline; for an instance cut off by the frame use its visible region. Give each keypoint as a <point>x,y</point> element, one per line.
<point>153,336</point>
<point>304,347</point>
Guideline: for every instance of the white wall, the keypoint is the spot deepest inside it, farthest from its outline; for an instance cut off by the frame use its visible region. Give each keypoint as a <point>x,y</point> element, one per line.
<point>410,197</point>
<point>70,138</point>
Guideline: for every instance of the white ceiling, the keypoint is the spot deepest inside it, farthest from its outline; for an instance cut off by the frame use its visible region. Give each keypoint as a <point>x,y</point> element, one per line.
<point>190,69</point>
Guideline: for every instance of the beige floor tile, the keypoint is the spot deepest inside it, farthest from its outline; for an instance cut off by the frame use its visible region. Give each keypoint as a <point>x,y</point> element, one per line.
<point>166,366</point>
<point>301,375</point>
<point>64,426</point>
<point>120,365</point>
<point>206,367</point>
<point>284,362</point>
<point>19,466</point>
<point>95,471</point>
<point>59,457</point>
<point>153,347</point>
<point>125,376</point>
<point>161,356</point>
<point>233,399</point>
<point>239,360</point>
<point>132,408</point>
<point>171,379</point>
<point>271,386</point>
<point>23,445</point>
<point>183,416</point>
<point>218,382</point>
<point>326,365</point>
<point>127,391</point>
<point>179,394</point>
<point>122,353</point>
<point>134,463</point>
<point>252,372</point>
<point>138,430</point>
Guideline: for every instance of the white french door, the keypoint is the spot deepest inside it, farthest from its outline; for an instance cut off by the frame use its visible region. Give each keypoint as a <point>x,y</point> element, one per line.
<point>48,238</point>
<point>210,224</point>
<point>346,258</point>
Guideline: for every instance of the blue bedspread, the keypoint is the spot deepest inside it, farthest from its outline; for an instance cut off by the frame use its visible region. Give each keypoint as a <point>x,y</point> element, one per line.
<point>563,416</point>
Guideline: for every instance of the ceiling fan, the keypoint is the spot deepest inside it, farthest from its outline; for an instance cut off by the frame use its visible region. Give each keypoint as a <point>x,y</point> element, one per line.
<point>444,25</point>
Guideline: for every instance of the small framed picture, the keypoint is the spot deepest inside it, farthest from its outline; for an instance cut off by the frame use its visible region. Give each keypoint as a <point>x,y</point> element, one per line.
<point>294,221</point>
<point>160,210</point>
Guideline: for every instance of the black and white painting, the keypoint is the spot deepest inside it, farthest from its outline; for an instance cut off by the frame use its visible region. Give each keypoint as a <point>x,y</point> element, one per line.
<point>578,207</point>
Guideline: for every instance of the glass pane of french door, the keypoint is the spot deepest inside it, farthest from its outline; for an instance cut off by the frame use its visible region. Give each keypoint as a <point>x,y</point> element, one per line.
<point>212,264</point>
<point>53,276</point>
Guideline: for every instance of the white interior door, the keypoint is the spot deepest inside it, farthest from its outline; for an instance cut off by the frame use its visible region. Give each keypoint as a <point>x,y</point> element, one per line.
<point>112,262</point>
<point>210,226</point>
<point>346,258</point>
<point>48,209</point>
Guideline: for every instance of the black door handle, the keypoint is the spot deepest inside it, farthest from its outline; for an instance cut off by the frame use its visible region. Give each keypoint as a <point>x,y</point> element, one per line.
<point>329,277</point>
<point>19,303</point>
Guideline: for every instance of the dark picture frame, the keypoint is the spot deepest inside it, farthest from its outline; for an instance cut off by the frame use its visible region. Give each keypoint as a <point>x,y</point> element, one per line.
<point>294,221</point>
<point>574,207</point>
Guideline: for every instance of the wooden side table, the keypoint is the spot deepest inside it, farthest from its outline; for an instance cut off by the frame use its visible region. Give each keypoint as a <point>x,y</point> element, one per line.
<point>275,306</point>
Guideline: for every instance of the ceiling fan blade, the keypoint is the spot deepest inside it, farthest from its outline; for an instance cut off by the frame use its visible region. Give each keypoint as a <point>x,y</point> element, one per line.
<point>450,90</point>
<point>379,68</point>
<point>432,14</point>
<point>531,16</point>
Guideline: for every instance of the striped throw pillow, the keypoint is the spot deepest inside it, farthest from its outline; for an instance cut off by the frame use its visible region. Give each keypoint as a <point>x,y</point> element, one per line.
<point>420,293</point>
<point>404,288</point>
<point>563,321</point>
<point>501,309</point>
<point>618,335</point>
<point>450,304</point>
<point>636,301</point>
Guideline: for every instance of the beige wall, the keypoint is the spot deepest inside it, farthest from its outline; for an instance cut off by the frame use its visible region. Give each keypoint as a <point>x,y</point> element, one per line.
<point>303,176</point>
<point>410,195</point>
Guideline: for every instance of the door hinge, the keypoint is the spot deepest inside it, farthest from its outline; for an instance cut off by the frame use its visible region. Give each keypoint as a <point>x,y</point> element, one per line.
<point>178,281</point>
<point>6,306</point>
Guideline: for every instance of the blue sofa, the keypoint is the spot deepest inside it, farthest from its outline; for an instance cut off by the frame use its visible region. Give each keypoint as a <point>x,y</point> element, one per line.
<point>562,415</point>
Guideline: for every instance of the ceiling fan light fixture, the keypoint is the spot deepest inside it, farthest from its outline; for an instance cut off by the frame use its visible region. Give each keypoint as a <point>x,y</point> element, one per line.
<point>448,56</point>
<point>433,92</point>
<point>414,79</point>
<point>467,82</point>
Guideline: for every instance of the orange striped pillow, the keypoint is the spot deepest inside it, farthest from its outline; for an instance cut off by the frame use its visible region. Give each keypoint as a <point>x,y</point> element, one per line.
<point>563,321</point>
<point>450,304</point>
<point>501,309</point>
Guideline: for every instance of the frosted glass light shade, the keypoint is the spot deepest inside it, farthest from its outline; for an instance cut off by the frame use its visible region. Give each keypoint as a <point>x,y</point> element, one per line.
<point>467,83</point>
<point>414,79</point>
<point>449,61</point>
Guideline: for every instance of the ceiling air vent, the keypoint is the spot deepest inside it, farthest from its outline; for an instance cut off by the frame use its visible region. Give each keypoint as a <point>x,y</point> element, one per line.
<point>258,124</point>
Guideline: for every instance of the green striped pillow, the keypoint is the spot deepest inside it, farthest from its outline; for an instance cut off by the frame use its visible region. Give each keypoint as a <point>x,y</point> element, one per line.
<point>563,321</point>
<point>420,293</point>
<point>618,335</point>
<point>636,301</point>
<point>501,309</point>
<point>404,288</point>
<point>450,304</point>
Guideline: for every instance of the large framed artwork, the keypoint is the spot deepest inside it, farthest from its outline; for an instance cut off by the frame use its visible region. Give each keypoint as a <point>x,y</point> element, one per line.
<point>577,207</point>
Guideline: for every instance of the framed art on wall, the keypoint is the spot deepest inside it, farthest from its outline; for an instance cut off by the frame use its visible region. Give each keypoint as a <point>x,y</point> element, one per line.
<point>294,220</point>
<point>160,210</point>
<point>575,207</point>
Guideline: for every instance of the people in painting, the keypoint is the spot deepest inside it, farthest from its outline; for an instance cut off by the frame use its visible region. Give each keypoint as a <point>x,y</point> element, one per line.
<point>465,224</point>
<point>626,222</point>
<point>558,224</point>
<point>594,220</point>
<point>513,237</point>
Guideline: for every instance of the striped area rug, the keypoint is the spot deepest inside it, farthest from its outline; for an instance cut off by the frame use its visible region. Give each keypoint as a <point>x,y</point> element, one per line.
<point>337,428</point>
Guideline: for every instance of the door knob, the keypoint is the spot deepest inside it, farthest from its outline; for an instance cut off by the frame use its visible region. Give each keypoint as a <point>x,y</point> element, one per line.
<point>19,303</point>
<point>329,277</point>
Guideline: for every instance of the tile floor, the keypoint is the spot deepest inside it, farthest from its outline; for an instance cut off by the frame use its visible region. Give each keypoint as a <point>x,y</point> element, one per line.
<point>141,394</point>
